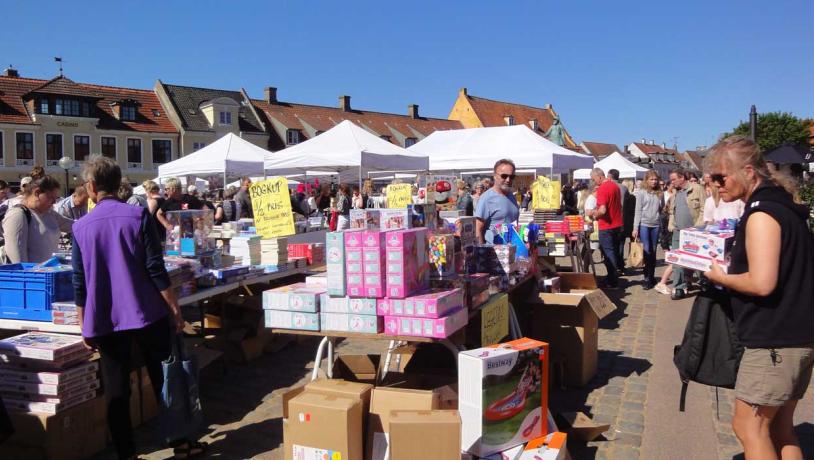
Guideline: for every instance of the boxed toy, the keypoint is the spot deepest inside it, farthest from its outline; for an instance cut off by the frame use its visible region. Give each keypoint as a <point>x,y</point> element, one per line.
<point>358,306</point>
<point>42,346</point>
<point>294,297</point>
<point>355,286</point>
<point>348,322</point>
<point>706,244</point>
<point>292,320</point>
<point>395,219</point>
<point>439,328</point>
<point>498,259</point>
<point>423,215</point>
<point>441,254</point>
<point>335,263</point>
<point>388,306</point>
<point>433,304</point>
<point>551,447</point>
<point>503,395</point>
<point>367,219</point>
<point>693,261</point>
<point>190,233</point>
<point>406,259</point>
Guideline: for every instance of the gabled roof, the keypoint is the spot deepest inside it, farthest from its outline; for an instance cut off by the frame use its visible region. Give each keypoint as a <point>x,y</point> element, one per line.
<point>311,119</point>
<point>188,100</point>
<point>600,149</point>
<point>493,113</point>
<point>651,149</point>
<point>150,116</point>
<point>695,159</point>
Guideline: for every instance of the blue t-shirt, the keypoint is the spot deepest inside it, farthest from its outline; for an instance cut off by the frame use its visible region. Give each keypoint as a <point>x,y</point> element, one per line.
<point>496,208</point>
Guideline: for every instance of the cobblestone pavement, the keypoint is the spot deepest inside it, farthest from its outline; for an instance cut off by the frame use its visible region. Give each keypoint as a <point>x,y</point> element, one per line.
<point>242,404</point>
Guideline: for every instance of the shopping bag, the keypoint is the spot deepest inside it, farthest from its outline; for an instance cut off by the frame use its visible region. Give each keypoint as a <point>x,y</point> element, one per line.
<point>181,414</point>
<point>6,428</point>
<point>635,259</point>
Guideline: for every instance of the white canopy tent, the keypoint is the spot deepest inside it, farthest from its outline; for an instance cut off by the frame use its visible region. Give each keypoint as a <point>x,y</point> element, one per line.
<point>228,155</point>
<point>201,184</point>
<point>626,168</point>
<point>479,149</point>
<point>345,148</point>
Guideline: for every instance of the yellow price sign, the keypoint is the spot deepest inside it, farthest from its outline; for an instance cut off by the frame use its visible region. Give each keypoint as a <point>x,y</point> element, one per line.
<point>494,317</point>
<point>91,204</point>
<point>271,204</point>
<point>399,195</point>
<point>545,193</point>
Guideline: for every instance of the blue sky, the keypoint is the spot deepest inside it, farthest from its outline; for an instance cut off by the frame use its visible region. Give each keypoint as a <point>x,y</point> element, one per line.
<point>615,71</point>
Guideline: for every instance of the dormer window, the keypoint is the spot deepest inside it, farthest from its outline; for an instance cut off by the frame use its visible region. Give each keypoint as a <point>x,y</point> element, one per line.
<point>409,142</point>
<point>385,137</point>
<point>226,118</point>
<point>533,124</point>
<point>509,120</point>
<point>292,137</point>
<point>127,112</point>
<point>44,106</point>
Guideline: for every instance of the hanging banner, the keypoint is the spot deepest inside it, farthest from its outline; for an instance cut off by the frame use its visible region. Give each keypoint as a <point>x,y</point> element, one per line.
<point>545,193</point>
<point>271,204</point>
<point>494,320</point>
<point>399,195</point>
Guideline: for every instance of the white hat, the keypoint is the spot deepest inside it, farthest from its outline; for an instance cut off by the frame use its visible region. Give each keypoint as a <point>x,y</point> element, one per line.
<point>25,180</point>
<point>192,189</point>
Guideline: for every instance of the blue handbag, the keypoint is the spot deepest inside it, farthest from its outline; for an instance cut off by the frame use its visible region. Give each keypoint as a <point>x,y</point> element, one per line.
<point>181,414</point>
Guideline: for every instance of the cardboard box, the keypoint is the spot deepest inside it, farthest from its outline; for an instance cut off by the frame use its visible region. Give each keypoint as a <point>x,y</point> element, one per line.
<point>365,219</point>
<point>433,304</point>
<point>358,306</point>
<point>357,368</point>
<point>693,261</point>
<point>385,400</point>
<point>349,322</point>
<point>508,454</point>
<point>551,447</point>
<point>427,327</point>
<point>425,434</point>
<point>335,263</point>
<point>395,219</point>
<point>344,388</point>
<point>292,320</point>
<point>503,395</point>
<point>293,297</point>
<point>441,254</point>
<point>74,434</point>
<point>706,244</point>
<point>324,426</point>
<point>407,270</point>
<point>569,322</point>
<point>580,427</point>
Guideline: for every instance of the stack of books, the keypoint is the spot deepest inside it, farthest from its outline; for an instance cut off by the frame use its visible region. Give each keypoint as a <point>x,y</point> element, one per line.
<point>46,373</point>
<point>274,251</point>
<point>247,248</point>
<point>64,313</point>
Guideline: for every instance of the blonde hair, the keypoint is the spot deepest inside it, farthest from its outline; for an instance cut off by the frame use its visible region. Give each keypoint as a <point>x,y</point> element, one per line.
<point>739,151</point>
<point>150,186</point>
<point>172,182</point>
<point>646,186</point>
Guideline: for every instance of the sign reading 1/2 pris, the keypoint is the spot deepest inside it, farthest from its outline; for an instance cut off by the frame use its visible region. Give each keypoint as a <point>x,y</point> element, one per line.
<point>271,204</point>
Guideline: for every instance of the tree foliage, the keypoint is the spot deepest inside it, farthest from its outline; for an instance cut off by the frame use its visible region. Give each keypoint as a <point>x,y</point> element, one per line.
<point>775,129</point>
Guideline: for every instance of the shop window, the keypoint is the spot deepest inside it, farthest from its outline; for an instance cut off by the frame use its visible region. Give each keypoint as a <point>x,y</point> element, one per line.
<point>162,151</point>
<point>53,148</point>
<point>81,147</point>
<point>109,147</point>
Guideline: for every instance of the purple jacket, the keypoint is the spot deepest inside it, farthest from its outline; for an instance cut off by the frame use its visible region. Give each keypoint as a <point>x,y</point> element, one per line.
<point>118,269</point>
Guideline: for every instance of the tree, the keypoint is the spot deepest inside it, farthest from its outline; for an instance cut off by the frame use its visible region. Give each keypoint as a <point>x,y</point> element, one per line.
<point>775,129</point>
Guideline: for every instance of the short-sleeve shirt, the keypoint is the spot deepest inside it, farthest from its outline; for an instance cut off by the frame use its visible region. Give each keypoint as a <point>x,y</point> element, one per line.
<point>723,211</point>
<point>608,195</point>
<point>496,208</point>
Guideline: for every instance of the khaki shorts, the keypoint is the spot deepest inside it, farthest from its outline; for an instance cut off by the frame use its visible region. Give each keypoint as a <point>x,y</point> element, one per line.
<point>774,376</point>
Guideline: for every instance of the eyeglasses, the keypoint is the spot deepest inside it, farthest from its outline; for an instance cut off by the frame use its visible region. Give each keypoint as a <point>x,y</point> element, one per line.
<point>507,176</point>
<point>718,178</point>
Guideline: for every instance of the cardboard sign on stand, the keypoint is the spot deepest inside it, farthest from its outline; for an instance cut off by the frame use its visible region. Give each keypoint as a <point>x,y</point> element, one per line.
<point>545,193</point>
<point>271,204</point>
<point>399,195</point>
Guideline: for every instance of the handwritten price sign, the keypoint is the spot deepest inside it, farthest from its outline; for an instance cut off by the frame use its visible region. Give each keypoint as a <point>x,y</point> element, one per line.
<point>399,196</point>
<point>494,318</point>
<point>271,204</point>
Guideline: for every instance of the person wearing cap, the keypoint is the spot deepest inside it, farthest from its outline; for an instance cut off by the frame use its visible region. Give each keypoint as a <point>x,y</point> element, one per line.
<point>190,200</point>
<point>497,206</point>
<point>24,183</point>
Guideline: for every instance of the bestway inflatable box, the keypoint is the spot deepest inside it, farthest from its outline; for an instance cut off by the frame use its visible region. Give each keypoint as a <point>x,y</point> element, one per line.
<point>503,395</point>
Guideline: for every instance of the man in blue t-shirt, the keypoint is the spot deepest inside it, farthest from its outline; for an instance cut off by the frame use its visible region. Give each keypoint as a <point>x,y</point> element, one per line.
<point>497,206</point>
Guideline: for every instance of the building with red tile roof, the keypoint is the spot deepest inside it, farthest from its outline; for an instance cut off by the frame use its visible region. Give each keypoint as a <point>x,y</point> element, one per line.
<point>291,123</point>
<point>478,112</point>
<point>599,150</point>
<point>44,120</point>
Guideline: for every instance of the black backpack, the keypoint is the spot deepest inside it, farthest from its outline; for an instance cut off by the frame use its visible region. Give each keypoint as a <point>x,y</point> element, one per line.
<point>709,352</point>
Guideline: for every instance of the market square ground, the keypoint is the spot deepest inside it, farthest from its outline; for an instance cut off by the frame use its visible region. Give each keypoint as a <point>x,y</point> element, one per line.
<point>636,391</point>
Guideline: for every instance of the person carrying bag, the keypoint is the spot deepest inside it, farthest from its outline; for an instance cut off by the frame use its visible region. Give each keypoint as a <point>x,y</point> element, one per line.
<point>635,257</point>
<point>181,414</point>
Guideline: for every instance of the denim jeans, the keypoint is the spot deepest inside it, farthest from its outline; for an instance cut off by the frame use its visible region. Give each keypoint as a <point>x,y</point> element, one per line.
<point>679,274</point>
<point>609,245</point>
<point>650,241</point>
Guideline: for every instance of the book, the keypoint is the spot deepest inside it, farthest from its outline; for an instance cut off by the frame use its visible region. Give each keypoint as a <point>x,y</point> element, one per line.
<point>49,377</point>
<point>41,345</point>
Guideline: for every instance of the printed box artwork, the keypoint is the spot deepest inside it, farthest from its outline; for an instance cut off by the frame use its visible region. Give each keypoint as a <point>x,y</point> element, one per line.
<point>291,320</point>
<point>53,378</point>
<point>434,304</point>
<point>190,233</point>
<point>692,261</point>
<point>388,306</point>
<point>358,306</point>
<point>373,244</point>
<point>41,345</point>
<point>294,297</point>
<point>368,219</point>
<point>395,219</point>
<point>441,253</point>
<point>406,257</point>
<point>345,322</point>
<point>503,395</point>
<point>335,263</point>
<point>439,328</point>
<point>706,244</point>
<point>423,215</point>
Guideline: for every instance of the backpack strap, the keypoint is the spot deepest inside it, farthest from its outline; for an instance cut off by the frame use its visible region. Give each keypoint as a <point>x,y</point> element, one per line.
<point>683,398</point>
<point>26,213</point>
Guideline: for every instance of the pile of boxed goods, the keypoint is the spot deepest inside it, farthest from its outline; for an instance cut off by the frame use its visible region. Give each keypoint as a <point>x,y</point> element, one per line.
<point>190,235</point>
<point>65,313</point>
<point>274,251</point>
<point>699,247</point>
<point>499,410</point>
<point>246,249</point>
<point>314,253</point>
<point>51,390</point>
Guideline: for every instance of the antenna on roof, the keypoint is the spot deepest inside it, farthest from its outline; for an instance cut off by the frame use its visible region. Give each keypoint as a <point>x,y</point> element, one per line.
<point>59,59</point>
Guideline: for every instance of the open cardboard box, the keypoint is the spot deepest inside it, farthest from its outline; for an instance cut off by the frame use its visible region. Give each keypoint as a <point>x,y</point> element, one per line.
<point>580,427</point>
<point>569,322</point>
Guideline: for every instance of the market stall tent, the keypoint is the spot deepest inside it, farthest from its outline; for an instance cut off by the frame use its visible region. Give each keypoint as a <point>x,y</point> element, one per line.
<point>344,148</point>
<point>626,168</point>
<point>479,149</point>
<point>230,155</point>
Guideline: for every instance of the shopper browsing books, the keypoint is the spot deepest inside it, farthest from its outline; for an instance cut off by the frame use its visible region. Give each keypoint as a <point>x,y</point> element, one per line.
<point>497,207</point>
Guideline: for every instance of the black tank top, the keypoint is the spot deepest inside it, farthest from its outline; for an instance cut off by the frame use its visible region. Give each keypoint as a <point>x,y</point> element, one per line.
<point>785,317</point>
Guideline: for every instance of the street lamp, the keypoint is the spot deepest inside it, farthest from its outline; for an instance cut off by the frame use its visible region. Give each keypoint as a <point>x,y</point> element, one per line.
<point>66,163</point>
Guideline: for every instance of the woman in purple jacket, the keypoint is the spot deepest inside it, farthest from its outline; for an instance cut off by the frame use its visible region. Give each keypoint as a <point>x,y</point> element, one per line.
<point>123,295</point>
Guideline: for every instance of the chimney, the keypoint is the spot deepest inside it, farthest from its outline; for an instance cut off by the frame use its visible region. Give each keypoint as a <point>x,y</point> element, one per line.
<point>344,103</point>
<point>652,142</point>
<point>548,107</point>
<point>11,72</point>
<point>463,91</point>
<point>271,94</point>
<point>412,111</point>
<point>644,141</point>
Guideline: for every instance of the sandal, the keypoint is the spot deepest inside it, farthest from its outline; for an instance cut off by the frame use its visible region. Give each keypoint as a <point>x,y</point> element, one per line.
<point>190,449</point>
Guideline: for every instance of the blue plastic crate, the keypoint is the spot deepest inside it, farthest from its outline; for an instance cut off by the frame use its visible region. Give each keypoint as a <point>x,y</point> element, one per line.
<point>27,294</point>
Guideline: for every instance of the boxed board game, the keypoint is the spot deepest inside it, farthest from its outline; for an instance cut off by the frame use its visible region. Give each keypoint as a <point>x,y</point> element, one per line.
<point>503,395</point>
<point>42,346</point>
<point>706,244</point>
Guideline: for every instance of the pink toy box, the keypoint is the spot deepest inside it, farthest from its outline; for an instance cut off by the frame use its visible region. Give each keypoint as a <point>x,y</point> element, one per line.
<point>439,328</point>
<point>407,269</point>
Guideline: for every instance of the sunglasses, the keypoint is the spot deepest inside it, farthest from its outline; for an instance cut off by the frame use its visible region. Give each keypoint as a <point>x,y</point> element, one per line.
<point>507,176</point>
<point>718,178</point>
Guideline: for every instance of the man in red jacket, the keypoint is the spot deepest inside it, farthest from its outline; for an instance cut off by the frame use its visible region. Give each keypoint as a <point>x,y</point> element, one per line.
<point>608,216</point>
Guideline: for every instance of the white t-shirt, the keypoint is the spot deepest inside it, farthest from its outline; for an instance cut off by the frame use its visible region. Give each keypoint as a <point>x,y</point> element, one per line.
<point>724,210</point>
